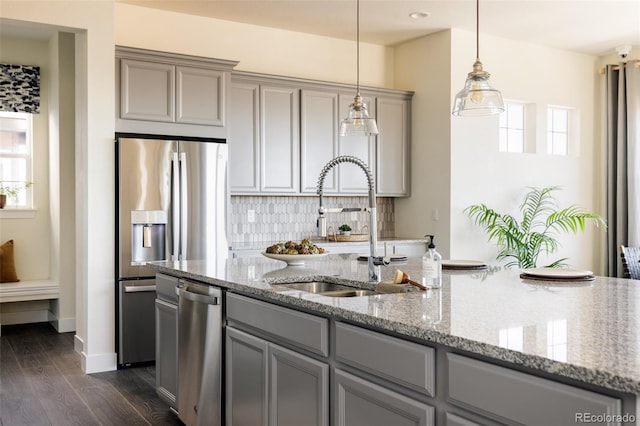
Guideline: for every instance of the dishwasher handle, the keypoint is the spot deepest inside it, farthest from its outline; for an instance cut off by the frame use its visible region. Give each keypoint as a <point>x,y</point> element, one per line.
<point>196,297</point>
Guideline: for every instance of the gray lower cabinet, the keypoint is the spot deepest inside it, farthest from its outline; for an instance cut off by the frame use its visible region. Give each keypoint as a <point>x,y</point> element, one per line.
<point>246,389</point>
<point>299,389</point>
<point>358,402</point>
<point>267,384</point>
<point>167,339</point>
<point>514,397</point>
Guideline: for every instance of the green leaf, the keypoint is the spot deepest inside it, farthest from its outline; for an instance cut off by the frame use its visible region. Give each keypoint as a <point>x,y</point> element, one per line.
<point>521,242</point>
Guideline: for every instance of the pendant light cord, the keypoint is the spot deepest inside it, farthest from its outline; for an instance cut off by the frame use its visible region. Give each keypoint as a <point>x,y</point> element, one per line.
<point>358,46</point>
<point>477,29</point>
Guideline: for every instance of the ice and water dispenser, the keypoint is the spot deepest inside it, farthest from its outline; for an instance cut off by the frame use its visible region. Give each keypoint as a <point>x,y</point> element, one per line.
<point>148,236</point>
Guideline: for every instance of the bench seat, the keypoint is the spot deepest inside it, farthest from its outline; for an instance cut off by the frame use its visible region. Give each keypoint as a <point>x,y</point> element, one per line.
<point>22,291</point>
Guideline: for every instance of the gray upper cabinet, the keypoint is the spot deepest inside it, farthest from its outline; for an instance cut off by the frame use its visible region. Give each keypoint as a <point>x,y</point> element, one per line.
<point>392,167</point>
<point>147,91</point>
<point>283,131</point>
<point>279,139</point>
<point>200,96</point>
<point>321,114</point>
<point>171,94</point>
<point>264,137</point>
<point>352,179</point>
<point>244,137</point>
<point>319,125</point>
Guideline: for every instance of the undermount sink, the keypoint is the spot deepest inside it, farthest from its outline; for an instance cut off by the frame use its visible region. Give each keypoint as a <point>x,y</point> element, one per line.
<point>328,289</point>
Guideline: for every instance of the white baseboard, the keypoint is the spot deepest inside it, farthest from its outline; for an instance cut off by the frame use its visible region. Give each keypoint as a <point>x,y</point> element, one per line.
<point>64,325</point>
<point>23,317</point>
<point>78,344</point>
<point>99,362</point>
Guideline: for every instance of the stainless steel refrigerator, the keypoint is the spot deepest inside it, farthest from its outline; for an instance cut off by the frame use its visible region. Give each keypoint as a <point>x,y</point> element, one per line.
<point>171,204</point>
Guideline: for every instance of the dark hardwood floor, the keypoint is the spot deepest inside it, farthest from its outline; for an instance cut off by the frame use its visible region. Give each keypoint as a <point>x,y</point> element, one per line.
<point>41,383</point>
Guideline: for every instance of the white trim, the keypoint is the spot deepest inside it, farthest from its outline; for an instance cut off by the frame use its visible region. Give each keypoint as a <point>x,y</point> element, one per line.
<point>99,362</point>
<point>78,344</point>
<point>24,317</point>
<point>11,213</point>
<point>65,325</point>
<point>29,290</point>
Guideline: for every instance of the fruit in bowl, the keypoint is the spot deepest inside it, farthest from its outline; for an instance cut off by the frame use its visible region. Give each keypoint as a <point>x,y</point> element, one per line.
<point>293,248</point>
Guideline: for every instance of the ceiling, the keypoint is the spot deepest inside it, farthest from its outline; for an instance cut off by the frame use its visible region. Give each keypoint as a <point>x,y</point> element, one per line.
<point>585,26</point>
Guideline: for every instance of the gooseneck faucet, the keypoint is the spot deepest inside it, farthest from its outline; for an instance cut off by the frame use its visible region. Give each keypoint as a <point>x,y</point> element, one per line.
<point>373,229</point>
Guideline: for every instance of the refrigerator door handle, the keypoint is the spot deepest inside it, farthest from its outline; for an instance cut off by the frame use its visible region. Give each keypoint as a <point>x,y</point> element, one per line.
<point>175,207</point>
<point>184,202</point>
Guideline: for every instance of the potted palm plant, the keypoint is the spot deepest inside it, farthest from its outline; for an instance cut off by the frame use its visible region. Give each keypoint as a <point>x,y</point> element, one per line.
<point>521,241</point>
<point>11,191</point>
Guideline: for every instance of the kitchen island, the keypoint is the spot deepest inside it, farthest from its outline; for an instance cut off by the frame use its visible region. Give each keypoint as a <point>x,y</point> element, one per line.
<point>493,348</point>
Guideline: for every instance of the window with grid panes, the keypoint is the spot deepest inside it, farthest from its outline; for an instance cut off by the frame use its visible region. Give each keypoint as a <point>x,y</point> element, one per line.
<point>15,155</point>
<point>512,128</point>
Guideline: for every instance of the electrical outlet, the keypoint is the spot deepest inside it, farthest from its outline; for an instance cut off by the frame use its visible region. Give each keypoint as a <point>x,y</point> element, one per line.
<point>251,216</point>
<point>434,215</point>
<point>354,215</point>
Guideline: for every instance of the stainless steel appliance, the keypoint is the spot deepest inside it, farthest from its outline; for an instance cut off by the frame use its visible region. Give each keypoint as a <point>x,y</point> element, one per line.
<point>199,354</point>
<point>171,204</point>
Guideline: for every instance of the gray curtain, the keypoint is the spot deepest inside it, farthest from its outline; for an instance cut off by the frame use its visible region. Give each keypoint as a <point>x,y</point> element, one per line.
<point>622,93</point>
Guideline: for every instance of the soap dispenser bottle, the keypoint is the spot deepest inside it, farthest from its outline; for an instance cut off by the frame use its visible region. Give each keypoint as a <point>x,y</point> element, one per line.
<point>432,265</point>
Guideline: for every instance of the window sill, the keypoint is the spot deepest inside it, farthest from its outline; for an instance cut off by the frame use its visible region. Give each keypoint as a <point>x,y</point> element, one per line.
<point>13,213</point>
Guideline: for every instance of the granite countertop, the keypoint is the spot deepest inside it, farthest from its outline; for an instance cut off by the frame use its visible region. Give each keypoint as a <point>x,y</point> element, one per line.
<point>586,331</point>
<point>324,242</point>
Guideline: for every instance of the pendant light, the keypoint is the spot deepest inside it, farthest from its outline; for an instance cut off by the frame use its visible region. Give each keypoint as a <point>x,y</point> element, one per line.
<point>477,97</point>
<point>358,120</point>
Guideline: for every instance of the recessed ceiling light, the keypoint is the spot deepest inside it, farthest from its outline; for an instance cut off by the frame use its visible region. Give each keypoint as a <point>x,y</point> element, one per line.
<point>419,15</point>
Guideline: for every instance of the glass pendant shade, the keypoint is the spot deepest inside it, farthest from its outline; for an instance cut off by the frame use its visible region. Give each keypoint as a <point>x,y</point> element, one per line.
<point>358,120</point>
<point>477,97</point>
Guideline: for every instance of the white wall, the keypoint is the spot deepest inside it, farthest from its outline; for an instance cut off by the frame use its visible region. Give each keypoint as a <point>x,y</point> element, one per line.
<point>455,162</point>
<point>92,24</point>
<point>32,235</point>
<point>480,174</point>
<point>258,49</point>
<point>423,65</point>
<point>62,178</point>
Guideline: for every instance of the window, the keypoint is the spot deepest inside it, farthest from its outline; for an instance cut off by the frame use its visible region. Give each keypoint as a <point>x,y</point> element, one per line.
<point>15,155</point>
<point>557,130</point>
<point>557,340</point>
<point>511,338</point>
<point>512,131</point>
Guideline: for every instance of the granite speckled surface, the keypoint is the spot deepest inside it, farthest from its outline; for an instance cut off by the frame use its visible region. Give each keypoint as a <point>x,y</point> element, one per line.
<point>587,331</point>
<point>235,245</point>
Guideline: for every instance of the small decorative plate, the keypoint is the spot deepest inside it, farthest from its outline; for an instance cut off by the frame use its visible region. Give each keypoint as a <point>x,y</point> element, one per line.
<point>463,264</point>
<point>294,259</point>
<point>557,273</point>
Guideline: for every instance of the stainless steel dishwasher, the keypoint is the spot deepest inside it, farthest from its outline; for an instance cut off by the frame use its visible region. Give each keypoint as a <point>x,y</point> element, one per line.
<point>199,353</point>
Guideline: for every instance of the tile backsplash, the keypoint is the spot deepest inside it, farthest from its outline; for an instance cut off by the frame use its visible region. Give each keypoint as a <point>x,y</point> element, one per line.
<point>280,218</point>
